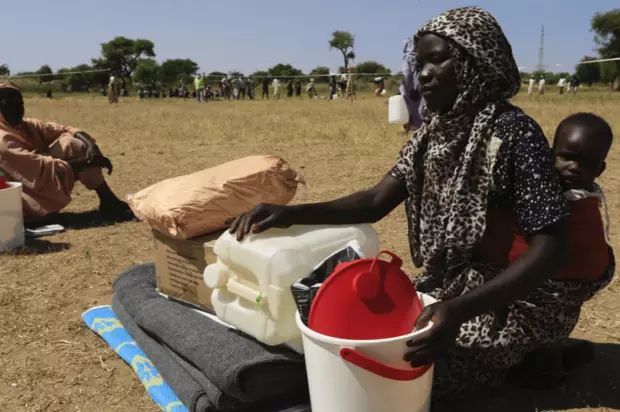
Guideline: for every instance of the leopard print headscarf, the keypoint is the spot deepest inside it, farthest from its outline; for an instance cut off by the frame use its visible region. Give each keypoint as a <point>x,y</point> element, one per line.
<point>444,163</point>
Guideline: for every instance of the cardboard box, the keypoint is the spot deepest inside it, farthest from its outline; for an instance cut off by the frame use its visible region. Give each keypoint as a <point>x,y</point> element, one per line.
<point>179,265</point>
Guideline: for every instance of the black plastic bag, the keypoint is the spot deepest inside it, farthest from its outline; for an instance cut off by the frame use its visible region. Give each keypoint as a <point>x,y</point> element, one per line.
<point>305,289</point>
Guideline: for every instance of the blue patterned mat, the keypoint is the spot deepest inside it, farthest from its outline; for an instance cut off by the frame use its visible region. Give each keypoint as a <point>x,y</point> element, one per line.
<point>103,321</point>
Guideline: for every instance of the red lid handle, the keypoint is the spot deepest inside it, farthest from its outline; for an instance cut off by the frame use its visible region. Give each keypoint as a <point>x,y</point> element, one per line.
<point>367,285</point>
<point>395,259</point>
<point>381,369</point>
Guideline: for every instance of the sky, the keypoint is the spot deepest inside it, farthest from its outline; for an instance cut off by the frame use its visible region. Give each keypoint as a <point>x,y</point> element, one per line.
<point>250,35</point>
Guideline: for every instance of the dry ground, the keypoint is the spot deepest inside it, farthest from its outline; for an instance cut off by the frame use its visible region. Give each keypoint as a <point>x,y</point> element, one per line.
<point>50,361</point>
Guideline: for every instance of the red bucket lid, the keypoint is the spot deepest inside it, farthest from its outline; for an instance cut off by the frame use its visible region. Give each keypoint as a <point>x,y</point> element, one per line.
<point>3,183</point>
<point>366,299</point>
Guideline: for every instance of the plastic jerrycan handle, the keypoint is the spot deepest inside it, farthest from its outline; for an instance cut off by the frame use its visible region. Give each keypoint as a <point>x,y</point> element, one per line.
<point>381,369</point>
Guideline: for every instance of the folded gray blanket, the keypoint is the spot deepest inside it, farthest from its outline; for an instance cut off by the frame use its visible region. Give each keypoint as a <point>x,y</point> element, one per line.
<point>192,386</point>
<point>209,360</point>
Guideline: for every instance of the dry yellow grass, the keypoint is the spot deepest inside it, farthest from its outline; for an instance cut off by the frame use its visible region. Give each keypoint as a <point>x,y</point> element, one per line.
<point>49,361</point>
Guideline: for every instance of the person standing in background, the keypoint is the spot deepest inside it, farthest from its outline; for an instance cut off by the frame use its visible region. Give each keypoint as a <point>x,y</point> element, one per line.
<point>297,87</point>
<point>333,87</point>
<point>112,90</point>
<point>289,88</point>
<point>530,87</point>
<point>574,84</point>
<point>265,87</point>
<point>541,85</point>
<point>249,87</point>
<point>342,84</point>
<point>276,88</point>
<point>242,88</point>
<point>199,86</point>
<point>561,84</point>
<point>312,93</point>
<point>350,92</point>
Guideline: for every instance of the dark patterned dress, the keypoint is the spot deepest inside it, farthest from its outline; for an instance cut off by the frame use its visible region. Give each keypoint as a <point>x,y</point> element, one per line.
<point>525,190</point>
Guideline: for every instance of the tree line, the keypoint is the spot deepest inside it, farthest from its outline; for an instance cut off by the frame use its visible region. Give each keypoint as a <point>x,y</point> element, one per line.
<point>133,62</point>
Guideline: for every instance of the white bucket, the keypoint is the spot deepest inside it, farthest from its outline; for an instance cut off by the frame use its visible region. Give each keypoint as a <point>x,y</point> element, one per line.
<point>397,110</point>
<point>364,376</point>
<point>11,217</point>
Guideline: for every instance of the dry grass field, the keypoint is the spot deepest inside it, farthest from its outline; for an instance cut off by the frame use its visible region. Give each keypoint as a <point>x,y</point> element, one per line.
<point>50,361</point>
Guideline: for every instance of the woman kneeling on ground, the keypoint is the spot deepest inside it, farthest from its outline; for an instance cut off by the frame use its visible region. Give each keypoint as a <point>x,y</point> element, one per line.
<point>477,169</point>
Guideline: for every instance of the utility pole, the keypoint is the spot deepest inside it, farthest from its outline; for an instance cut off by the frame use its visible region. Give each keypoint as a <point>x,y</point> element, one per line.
<point>541,50</point>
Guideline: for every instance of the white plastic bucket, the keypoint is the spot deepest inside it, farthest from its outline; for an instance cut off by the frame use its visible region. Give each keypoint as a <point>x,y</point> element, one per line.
<point>397,110</point>
<point>11,217</point>
<point>364,376</point>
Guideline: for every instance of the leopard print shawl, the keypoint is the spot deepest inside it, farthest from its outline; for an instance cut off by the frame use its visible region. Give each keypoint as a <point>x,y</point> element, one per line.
<point>444,164</point>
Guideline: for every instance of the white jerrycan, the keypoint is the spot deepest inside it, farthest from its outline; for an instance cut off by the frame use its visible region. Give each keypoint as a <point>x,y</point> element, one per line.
<point>251,279</point>
<point>11,217</point>
<point>397,110</point>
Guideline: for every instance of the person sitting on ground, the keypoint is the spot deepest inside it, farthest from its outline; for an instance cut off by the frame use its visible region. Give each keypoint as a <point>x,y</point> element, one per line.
<point>47,159</point>
<point>476,164</point>
<point>581,144</point>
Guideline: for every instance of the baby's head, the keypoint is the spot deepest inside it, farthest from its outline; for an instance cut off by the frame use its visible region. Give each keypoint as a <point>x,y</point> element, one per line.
<point>580,146</point>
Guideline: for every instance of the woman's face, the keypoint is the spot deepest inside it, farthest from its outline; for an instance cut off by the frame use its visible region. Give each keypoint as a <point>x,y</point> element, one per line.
<point>436,73</point>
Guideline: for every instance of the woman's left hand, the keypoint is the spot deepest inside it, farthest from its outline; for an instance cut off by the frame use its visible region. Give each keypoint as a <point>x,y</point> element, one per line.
<point>446,318</point>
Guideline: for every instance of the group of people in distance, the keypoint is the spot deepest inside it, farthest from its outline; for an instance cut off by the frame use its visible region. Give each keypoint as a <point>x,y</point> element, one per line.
<point>240,88</point>
<point>569,85</point>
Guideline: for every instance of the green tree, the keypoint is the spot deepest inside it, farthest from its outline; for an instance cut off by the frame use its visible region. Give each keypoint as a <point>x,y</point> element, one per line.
<point>609,71</point>
<point>4,70</point>
<point>320,73</point>
<point>259,74</point>
<point>176,70</point>
<point>80,82</point>
<point>606,27</point>
<point>283,70</point>
<point>215,76</point>
<point>46,74</point>
<point>147,72</point>
<point>589,73</point>
<point>344,42</point>
<point>121,55</point>
<point>372,66</point>
<point>235,74</point>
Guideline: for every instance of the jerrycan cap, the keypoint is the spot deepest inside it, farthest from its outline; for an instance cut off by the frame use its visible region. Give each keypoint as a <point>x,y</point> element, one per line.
<point>366,299</point>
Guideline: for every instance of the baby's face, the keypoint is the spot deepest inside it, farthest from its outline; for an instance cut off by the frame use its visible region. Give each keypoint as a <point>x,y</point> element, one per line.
<point>578,159</point>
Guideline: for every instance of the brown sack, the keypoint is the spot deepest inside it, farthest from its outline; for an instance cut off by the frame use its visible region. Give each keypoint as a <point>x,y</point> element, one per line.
<point>192,205</point>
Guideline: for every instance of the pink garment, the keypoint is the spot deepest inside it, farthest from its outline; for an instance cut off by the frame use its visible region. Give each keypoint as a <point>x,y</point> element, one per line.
<point>36,154</point>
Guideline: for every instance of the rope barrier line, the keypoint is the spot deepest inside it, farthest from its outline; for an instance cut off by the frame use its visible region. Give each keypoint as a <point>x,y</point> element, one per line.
<point>19,76</point>
<point>600,60</point>
<point>318,75</point>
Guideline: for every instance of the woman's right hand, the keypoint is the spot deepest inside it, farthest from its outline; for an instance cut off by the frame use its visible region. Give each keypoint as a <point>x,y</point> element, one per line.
<point>261,218</point>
